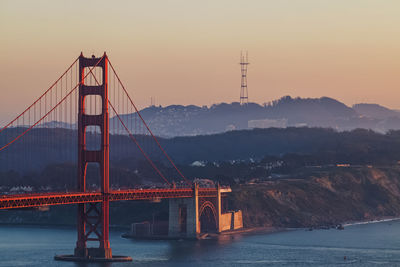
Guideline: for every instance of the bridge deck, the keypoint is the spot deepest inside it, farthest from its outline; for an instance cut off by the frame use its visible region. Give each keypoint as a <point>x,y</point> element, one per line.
<point>46,199</point>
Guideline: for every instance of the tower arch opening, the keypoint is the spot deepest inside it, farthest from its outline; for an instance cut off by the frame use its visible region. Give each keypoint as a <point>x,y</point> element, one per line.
<point>208,218</point>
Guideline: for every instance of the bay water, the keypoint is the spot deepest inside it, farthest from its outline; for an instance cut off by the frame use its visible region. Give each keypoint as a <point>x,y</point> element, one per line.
<point>373,244</point>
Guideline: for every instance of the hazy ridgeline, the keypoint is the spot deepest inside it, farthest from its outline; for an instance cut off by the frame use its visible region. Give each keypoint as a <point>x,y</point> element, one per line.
<point>191,120</point>
<point>48,146</point>
<point>49,156</point>
<point>41,147</point>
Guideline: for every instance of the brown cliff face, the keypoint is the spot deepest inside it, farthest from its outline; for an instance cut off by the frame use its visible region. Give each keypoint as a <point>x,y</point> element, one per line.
<point>325,198</point>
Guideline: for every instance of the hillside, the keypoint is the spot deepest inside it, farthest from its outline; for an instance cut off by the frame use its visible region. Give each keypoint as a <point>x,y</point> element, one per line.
<point>178,120</point>
<point>321,146</point>
<point>337,196</point>
<point>375,111</point>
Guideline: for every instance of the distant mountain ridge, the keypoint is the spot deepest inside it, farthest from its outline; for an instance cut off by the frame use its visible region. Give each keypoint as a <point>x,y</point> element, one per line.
<point>325,112</point>
<point>179,120</point>
<point>375,111</point>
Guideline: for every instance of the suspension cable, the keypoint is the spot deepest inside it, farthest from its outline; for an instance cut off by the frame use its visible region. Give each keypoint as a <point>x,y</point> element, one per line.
<point>37,122</point>
<point>155,139</point>
<point>28,108</point>
<point>134,139</point>
<point>136,142</point>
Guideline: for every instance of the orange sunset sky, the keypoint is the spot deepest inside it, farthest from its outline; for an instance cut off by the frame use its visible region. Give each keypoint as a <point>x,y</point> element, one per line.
<point>187,52</point>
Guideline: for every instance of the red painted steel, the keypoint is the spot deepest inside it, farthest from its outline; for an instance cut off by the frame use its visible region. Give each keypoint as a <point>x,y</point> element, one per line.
<point>93,207</point>
<point>85,215</point>
<point>47,199</point>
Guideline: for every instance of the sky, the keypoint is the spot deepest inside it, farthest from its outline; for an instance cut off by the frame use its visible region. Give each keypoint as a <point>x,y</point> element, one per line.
<point>187,52</point>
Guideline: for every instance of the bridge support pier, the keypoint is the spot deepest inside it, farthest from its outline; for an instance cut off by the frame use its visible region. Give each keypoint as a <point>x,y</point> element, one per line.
<point>183,216</point>
<point>202,213</point>
<point>186,214</point>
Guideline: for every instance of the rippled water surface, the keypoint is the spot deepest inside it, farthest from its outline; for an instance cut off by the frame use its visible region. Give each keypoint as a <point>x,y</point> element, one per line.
<point>375,244</point>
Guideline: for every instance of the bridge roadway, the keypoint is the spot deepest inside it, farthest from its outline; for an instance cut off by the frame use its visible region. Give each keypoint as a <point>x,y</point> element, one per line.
<point>58,198</point>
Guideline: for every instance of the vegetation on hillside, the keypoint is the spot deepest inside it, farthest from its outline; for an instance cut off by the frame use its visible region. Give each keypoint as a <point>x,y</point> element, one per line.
<point>327,198</point>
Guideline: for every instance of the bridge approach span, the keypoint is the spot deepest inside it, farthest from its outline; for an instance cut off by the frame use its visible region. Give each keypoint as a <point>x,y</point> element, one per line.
<point>47,199</point>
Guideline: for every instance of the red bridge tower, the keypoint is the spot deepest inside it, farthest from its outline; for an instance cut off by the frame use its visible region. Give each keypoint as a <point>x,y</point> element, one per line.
<point>93,221</point>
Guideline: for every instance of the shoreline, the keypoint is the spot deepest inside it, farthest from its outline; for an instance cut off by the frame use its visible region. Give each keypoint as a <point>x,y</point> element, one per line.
<point>256,230</point>
<point>372,221</point>
<point>272,229</point>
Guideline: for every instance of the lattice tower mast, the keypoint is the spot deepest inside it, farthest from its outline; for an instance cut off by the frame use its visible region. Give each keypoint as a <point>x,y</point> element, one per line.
<point>244,94</point>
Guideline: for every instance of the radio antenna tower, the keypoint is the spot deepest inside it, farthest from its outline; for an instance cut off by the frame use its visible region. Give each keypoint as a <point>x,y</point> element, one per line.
<point>244,94</point>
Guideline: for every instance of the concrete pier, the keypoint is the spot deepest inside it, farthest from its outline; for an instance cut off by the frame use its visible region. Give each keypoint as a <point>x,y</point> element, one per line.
<point>183,217</point>
<point>188,217</point>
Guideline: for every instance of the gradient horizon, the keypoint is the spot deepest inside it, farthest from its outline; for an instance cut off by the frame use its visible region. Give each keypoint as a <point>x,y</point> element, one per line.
<point>187,52</point>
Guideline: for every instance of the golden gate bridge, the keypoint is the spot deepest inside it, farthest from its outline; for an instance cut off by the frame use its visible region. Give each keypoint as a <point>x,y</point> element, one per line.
<point>81,101</point>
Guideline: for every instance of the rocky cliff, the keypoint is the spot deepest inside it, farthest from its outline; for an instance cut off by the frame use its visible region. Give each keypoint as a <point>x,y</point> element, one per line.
<point>324,198</point>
